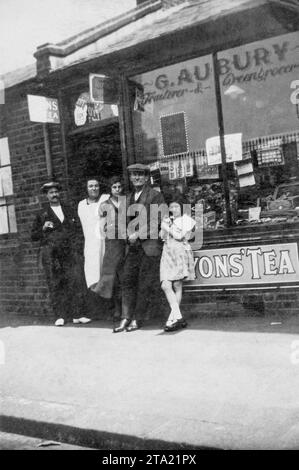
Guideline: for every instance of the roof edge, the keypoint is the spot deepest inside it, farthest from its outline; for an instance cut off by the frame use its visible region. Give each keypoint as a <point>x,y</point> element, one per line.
<point>91,35</point>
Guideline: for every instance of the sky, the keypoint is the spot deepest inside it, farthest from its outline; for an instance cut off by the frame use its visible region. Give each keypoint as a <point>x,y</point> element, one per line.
<point>26,24</point>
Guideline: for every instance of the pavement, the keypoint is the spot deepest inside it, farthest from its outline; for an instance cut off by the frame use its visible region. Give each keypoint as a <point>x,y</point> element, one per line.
<point>222,383</point>
<point>10,441</point>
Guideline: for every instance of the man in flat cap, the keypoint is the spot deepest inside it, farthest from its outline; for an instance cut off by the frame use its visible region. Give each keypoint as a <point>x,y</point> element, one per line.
<point>141,281</point>
<point>55,227</point>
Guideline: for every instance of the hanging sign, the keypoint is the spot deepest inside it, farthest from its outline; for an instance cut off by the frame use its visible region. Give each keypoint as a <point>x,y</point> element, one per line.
<point>102,89</point>
<point>43,109</point>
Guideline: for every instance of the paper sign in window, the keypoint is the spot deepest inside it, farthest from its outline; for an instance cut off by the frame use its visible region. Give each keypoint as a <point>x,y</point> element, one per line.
<point>245,168</point>
<point>254,213</point>
<point>6,188</point>
<point>174,134</point>
<point>4,152</point>
<point>3,220</point>
<point>246,180</point>
<point>233,149</point>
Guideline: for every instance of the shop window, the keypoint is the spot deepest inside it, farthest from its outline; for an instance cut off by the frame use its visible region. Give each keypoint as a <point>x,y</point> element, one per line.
<point>176,131</point>
<point>7,208</point>
<point>256,86</point>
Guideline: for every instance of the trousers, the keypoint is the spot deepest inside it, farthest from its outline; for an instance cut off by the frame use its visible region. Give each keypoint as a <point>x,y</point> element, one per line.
<point>66,284</point>
<point>140,283</point>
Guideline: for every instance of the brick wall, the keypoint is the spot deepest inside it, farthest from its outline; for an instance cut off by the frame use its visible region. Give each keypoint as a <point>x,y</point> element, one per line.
<point>23,289</point>
<point>262,303</point>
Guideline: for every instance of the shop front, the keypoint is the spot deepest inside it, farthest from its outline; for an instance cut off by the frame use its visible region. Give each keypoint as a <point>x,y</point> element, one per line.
<point>213,108</point>
<point>207,95</point>
<point>223,128</point>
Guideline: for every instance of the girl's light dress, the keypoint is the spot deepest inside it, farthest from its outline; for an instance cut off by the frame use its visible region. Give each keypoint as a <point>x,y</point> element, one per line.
<point>177,261</point>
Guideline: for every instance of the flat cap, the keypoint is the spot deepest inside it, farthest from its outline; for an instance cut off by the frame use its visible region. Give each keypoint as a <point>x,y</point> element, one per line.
<point>138,167</point>
<point>51,184</point>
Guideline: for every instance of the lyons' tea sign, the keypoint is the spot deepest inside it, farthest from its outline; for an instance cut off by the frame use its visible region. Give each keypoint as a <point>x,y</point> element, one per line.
<point>260,264</point>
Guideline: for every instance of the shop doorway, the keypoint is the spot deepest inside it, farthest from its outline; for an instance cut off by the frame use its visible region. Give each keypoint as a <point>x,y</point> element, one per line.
<point>97,153</point>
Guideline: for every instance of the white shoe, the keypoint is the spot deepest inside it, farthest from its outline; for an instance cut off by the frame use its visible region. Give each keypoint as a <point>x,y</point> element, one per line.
<point>81,320</point>
<point>84,320</point>
<point>59,322</point>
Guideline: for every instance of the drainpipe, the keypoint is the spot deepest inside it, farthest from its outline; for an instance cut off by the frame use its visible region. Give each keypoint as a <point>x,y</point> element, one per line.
<point>47,150</point>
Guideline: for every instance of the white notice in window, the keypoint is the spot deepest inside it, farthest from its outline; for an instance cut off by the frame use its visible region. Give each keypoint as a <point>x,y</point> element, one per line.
<point>4,152</point>
<point>233,149</point>
<point>6,188</point>
<point>3,220</point>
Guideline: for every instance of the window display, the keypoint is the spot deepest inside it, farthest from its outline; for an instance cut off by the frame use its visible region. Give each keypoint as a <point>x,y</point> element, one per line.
<point>256,88</point>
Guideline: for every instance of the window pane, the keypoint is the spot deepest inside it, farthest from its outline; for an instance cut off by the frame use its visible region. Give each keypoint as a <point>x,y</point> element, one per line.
<point>180,98</point>
<point>256,86</point>
<point>4,152</point>
<point>3,220</point>
<point>174,113</point>
<point>12,219</point>
<point>6,188</point>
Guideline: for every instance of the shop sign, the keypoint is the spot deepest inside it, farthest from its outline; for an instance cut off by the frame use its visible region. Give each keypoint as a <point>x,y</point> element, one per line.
<point>43,109</point>
<point>260,61</point>
<point>102,89</point>
<point>251,63</point>
<point>259,264</point>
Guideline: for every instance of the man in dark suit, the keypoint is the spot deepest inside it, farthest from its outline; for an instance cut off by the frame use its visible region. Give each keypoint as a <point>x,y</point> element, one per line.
<point>141,277</point>
<point>56,228</point>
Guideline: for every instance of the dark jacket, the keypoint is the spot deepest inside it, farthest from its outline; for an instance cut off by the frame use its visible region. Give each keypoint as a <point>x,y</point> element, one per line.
<point>65,236</point>
<point>149,226</point>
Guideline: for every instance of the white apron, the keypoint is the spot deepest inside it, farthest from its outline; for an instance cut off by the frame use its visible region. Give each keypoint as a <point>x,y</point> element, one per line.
<point>94,244</point>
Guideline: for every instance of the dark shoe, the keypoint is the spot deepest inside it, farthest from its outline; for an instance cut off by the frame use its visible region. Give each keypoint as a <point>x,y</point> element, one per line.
<point>173,327</point>
<point>182,323</point>
<point>123,324</point>
<point>133,326</point>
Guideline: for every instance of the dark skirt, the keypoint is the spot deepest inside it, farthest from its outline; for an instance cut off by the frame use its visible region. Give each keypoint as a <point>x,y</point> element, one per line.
<point>115,251</point>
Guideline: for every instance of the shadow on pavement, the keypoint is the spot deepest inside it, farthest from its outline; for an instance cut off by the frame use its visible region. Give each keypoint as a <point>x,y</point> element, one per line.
<point>92,438</point>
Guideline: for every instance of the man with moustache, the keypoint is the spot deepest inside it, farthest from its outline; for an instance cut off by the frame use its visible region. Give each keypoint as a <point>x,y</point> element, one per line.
<point>56,228</point>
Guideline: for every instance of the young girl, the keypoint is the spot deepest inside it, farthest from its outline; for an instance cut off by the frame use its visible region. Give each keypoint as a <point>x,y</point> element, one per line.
<point>177,262</point>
